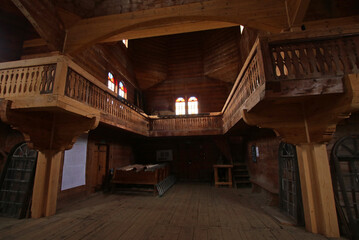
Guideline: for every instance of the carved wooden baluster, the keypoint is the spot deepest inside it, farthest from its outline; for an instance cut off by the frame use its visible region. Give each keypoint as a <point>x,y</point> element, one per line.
<point>2,79</point>
<point>351,53</point>
<point>288,64</point>
<point>320,59</point>
<point>311,53</point>
<point>26,83</point>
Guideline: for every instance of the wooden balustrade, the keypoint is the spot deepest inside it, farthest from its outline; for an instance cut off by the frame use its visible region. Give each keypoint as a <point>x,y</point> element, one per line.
<point>114,112</point>
<point>186,126</point>
<point>320,58</point>
<point>251,78</point>
<point>27,81</point>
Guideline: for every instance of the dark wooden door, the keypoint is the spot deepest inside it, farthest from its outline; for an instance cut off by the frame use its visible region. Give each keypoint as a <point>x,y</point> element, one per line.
<point>16,181</point>
<point>290,194</point>
<point>100,156</point>
<point>345,174</point>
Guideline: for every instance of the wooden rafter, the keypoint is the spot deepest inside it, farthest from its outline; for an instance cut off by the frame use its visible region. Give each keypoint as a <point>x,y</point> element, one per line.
<point>42,15</point>
<point>269,15</point>
<point>296,10</point>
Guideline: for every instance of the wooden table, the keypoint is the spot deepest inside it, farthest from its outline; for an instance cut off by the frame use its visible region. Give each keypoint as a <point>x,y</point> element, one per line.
<point>229,175</point>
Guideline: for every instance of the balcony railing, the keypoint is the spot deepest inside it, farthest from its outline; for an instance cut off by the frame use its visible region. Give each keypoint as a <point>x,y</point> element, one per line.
<point>27,80</point>
<point>321,58</point>
<point>186,125</point>
<point>251,79</point>
<point>113,111</point>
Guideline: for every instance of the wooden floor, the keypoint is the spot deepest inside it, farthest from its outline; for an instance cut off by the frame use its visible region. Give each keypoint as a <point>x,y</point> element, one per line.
<point>186,211</point>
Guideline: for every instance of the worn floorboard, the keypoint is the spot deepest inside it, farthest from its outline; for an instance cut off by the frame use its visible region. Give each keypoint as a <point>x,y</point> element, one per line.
<point>188,211</point>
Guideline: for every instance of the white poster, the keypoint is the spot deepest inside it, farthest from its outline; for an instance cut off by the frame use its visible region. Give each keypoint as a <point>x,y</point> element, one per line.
<point>74,170</point>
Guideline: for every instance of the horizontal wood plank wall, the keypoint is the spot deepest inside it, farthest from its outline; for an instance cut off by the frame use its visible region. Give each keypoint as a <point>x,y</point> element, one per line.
<point>12,31</point>
<point>264,172</point>
<point>185,76</point>
<point>193,158</point>
<point>221,54</point>
<point>150,60</point>
<point>8,139</point>
<point>99,60</point>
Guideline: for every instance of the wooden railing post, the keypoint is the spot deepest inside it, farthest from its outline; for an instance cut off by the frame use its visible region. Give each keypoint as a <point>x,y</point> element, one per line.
<point>60,77</point>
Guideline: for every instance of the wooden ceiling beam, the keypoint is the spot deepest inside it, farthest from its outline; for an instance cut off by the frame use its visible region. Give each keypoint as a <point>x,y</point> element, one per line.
<point>42,15</point>
<point>267,15</point>
<point>296,10</point>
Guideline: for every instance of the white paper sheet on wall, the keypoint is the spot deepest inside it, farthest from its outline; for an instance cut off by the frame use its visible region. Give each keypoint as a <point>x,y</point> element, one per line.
<point>74,169</point>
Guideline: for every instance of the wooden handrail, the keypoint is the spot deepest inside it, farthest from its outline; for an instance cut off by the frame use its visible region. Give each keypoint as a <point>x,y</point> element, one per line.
<point>241,73</point>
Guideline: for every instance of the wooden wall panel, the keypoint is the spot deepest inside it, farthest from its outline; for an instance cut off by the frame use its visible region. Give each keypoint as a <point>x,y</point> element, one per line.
<point>8,139</point>
<point>12,32</point>
<point>193,158</point>
<point>246,42</point>
<point>265,172</point>
<point>185,77</point>
<point>100,59</point>
<point>150,60</point>
<point>221,54</point>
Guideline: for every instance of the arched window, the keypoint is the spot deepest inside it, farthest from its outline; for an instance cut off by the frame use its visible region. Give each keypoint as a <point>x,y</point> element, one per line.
<point>192,105</point>
<point>111,82</point>
<point>122,90</point>
<point>180,106</point>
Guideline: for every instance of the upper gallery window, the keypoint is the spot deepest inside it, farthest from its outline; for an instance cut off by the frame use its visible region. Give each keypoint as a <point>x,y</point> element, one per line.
<point>116,86</point>
<point>122,90</point>
<point>192,105</point>
<point>180,106</point>
<point>111,82</point>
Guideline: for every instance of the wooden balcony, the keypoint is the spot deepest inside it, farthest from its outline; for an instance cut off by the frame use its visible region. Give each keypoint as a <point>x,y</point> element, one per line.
<point>274,70</point>
<point>278,73</point>
<point>58,84</point>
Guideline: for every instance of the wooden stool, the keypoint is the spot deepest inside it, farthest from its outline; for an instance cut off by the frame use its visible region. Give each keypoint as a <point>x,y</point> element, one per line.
<point>229,180</point>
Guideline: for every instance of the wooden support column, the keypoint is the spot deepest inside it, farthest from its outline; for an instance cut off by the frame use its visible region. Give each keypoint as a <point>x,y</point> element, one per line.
<point>317,190</point>
<point>46,182</point>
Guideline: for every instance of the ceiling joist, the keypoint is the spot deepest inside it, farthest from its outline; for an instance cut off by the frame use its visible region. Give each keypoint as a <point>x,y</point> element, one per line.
<point>42,15</point>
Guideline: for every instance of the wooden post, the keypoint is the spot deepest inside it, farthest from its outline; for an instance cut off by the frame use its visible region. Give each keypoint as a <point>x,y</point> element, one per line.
<point>44,197</point>
<point>317,191</point>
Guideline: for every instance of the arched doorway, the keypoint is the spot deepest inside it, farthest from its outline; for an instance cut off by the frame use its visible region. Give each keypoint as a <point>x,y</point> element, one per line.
<point>17,180</point>
<point>290,193</point>
<point>345,174</point>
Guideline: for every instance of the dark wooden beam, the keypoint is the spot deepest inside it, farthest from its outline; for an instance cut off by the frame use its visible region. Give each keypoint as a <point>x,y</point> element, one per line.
<point>43,17</point>
<point>296,10</point>
<point>269,16</point>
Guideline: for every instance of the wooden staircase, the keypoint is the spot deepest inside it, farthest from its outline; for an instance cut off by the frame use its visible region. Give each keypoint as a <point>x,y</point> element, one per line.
<point>241,176</point>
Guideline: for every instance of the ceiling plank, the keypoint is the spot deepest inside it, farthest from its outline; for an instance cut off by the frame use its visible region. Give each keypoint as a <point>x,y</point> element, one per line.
<point>297,10</point>
<point>267,15</point>
<point>42,15</point>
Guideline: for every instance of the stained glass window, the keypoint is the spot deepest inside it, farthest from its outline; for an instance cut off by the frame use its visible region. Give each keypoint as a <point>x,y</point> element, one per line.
<point>111,82</point>
<point>122,90</point>
<point>180,106</point>
<point>192,105</point>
